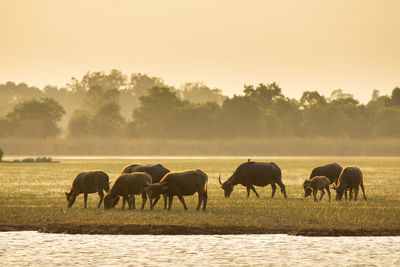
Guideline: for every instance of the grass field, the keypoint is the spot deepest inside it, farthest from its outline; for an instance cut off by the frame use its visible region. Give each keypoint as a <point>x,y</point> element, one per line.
<point>32,197</point>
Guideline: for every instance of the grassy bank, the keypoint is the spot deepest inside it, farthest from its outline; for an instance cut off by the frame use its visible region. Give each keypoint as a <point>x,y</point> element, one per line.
<point>217,147</point>
<point>32,197</point>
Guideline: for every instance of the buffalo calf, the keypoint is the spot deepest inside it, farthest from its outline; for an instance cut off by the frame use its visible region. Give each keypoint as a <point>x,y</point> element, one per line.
<point>157,172</point>
<point>127,186</point>
<point>320,183</point>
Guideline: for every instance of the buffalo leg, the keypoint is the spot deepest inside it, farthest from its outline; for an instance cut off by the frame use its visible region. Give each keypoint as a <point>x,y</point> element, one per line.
<point>345,194</point>
<point>322,194</point>
<point>356,189</point>
<point>144,199</point>
<point>124,200</point>
<point>248,192</point>
<point>165,201</point>
<point>315,191</point>
<point>254,190</point>
<point>273,185</point>
<point>205,197</point>
<point>101,195</point>
<point>363,190</point>
<point>329,192</point>
<point>351,194</point>
<point>170,202</point>
<point>85,199</point>
<point>200,193</point>
<point>133,202</point>
<point>183,201</point>
<point>283,189</point>
<point>72,200</point>
<point>153,203</point>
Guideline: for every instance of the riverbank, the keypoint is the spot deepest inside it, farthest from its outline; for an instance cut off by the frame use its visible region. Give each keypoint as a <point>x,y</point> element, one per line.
<point>183,230</point>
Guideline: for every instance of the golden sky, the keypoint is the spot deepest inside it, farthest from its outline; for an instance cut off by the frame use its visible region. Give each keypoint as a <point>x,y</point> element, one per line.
<point>301,44</point>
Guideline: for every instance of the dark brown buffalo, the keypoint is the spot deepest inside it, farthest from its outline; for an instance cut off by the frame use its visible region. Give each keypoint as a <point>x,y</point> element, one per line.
<point>250,174</point>
<point>86,183</point>
<point>156,171</point>
<point>350,179</point>
<point>314,184</point>
<point>128,185</point>
<point>180,184</point>
<point>331,171</point>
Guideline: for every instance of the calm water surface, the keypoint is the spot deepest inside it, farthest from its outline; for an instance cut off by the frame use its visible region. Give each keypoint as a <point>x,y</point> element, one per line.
<point>37,249</point>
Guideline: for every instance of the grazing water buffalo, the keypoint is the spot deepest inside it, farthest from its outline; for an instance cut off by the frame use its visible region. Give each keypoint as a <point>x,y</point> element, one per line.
<point>128,185</point>
<point>252,173</point>
<point>331,171</point>
<point>88,182</point>
<point>314,184</point>
<point>180,184</point>
<point>351,179</point>
<point>157,172</point>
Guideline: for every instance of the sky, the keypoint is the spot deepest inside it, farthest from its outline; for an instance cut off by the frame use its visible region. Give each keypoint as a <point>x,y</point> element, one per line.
<point>302,45</point>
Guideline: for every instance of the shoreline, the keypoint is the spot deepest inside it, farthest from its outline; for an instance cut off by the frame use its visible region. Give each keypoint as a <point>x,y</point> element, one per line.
<point>135,229</point>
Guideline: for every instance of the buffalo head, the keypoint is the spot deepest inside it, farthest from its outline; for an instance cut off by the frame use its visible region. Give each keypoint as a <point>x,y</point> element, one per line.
<point>339,192</point>
<point>307,188</point>
<point>155,190</point>
<point>227,186</point>
<point>110,201</point>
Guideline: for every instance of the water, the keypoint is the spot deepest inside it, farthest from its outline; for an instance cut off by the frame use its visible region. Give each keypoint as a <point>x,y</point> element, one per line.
<point>38,249</point>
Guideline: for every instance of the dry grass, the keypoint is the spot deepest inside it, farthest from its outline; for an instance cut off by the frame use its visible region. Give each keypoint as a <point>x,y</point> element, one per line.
<point>219,147</point>
<point>32,194</point>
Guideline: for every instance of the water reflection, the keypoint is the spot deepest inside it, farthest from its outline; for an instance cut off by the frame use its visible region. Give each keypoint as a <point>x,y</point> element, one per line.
<point>37,249</point>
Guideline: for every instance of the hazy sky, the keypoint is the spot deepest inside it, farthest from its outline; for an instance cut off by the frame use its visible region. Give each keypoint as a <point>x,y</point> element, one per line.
<point>302,45</point>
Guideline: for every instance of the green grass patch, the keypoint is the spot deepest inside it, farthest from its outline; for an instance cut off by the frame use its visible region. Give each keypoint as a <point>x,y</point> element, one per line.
<point>32,195</point>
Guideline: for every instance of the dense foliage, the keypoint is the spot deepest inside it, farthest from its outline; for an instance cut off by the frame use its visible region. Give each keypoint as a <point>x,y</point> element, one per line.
<point>111,105</point>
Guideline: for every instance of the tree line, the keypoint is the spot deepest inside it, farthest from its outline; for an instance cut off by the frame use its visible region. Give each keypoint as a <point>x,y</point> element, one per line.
<point>113,106</point>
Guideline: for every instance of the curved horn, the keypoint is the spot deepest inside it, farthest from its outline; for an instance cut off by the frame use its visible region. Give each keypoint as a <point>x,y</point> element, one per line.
<point>219,179</point>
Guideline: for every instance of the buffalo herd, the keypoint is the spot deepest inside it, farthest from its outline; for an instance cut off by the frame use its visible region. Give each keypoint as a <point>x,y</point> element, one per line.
<point>152,181</point>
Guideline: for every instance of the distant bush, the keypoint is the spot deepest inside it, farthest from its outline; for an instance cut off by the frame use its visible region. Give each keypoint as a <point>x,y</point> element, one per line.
<point>1,154</point>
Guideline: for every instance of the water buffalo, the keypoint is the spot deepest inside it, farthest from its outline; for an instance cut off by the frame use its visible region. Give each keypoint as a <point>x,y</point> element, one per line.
<point>252,173</point>
<point>314,184</point>
<point>351,179</point>
<point>128,185</point>
<point>180,184</point>
<point>88,182</point>
<point>331,171</point>
<point>157,172</point>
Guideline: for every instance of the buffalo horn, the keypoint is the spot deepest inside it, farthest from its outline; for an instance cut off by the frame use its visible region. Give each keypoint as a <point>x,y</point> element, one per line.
<point>219,179</point>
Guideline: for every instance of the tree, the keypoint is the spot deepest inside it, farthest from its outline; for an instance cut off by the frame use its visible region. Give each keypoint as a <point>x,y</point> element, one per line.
<point>386,123</point>
<point>242,116</point>
<point>107,121</point>
<point>265,94</point>
<point>36,118</point>
<point>79,124</point>
<point>97,96</point>
<point>395,99</point>
<point>338,94</point>
<point>141,83</point>
<point>5,127</point>
<point>12,94</point>
<point>200,93</point>
<point>157,112</point>
<point>311,98</point>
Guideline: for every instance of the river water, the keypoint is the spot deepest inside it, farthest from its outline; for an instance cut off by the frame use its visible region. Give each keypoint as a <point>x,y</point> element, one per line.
<point>39,249</point>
